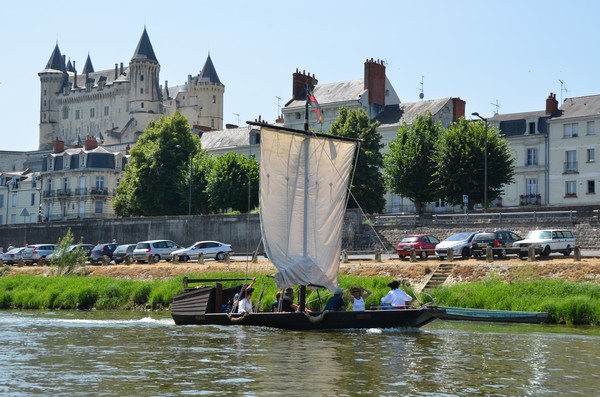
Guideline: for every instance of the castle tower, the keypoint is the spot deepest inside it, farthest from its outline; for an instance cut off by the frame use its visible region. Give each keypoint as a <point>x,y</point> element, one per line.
<point>210,90</point>
<point>53,79</point>
<point>144,93</point>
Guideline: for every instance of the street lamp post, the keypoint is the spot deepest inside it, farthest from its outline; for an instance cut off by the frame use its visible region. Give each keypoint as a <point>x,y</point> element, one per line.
<point>189,152</point>
<point>485,172</point>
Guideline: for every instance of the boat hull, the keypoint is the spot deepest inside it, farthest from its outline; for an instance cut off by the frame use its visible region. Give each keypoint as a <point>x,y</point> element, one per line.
<point>502,316</point>
<point>413,318</point>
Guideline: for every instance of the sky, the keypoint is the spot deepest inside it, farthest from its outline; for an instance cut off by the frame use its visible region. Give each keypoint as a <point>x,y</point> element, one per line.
<point>511,53</point>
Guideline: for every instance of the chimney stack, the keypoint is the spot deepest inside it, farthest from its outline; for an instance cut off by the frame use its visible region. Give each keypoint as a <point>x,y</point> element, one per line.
<point>458,109</point>
<point>300,81</point>
<point>116,71</point>
<point>375,81</point>
<point>74,76</point>
<point>58,146</point>
<point>90,143</point>
<point>551,104</point>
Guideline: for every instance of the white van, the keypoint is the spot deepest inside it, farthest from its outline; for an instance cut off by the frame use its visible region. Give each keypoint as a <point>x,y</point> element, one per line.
<point>547,241</point>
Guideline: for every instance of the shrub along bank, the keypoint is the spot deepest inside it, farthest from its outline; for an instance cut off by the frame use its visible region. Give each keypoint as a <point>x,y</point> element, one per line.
<point>567,302</point>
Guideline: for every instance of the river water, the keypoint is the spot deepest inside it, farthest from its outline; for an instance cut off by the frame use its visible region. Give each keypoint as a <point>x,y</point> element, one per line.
<point>135,354</point>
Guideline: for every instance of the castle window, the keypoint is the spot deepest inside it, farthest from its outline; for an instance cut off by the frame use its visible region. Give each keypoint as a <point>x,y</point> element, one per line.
<point>92,113</point>
<point>44,116</point>
<point>141,90</point>
<point>214,99</point>
<point>65,113</point>
<point>212,123</point>
<point>44,103</point>
<point>45,93</point>
<point>77,115</point>
<point>106,110</point>
<point>141,77</point>
<point>142,105</point>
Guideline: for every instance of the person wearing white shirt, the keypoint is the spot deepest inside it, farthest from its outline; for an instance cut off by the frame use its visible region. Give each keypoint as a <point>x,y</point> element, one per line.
<point>357,295</point>
<point>245,303</point>
<point>396,298</point>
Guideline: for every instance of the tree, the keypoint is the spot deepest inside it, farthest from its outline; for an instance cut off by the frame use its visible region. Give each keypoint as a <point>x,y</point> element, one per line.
<point>65,262</point>
<point>154,181</point>
<point>367,186</point>
<point>460,162</point>
<point>233,182</point>
<point>410,164</point>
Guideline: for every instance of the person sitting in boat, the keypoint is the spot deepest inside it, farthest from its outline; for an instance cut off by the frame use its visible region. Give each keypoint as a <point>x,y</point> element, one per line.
<point>239,296</point>
<point>396,298</point>
<point>287,301</point>
<point>245,302</point>
<point>357,295</point>
<point>336,303</point>
<point>275,305</point>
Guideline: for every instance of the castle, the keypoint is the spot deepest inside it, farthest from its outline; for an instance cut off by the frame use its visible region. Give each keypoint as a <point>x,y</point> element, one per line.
<point>116,105</point>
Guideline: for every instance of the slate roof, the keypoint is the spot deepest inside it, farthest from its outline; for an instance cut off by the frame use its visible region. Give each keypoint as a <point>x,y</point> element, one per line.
<point>517,116</point>
<point>225,138</point>
<point>579,107</point>
<point>343,91</point>
<point>88,67</point>
<point>144,49</point>
<point>56,60</point>
<point>108,76</point>
<point>209,72</point>
<point>396,115</point>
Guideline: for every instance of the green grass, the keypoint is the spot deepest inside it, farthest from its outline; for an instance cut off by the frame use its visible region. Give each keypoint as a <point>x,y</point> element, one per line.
<point>567,302</point>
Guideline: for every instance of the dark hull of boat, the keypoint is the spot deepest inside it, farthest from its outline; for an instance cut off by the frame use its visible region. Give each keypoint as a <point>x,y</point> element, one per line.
<point>502,316</point>
<point>413,318</point>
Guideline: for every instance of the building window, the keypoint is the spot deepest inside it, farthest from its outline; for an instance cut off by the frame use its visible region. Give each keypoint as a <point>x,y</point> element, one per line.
<point>532,128</point>
<point>13,219</point>
<point>591,128</point>
<point>591,155</point>
<point>99,206</point>
<point>531,156</point>
<point>32,199</point>
<point>65,113</point>
<point>141,77</point>
<point>66,184</point>
<point>14,200</point>
<point>1,202</point>
<point>212,123</point>
<point>571,189</point>
<point>44,103</point>
<point>99,182</point>
<point>570,130</point>
<point>106,110</point>
<point>531,187</point>
<point>92,113</point>
<point>571,161</point>
<point>141,90</point>
<point>591,187</point>
<point>214,99</point>
<point>142,105</point>
<point>77,115</point>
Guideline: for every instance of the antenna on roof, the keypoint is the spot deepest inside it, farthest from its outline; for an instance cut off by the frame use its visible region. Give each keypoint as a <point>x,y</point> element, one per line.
<point>497,106</point>
<point>278,105</point>
<point>421,94</point>
<point>238,118</point>
<point>563,88</point>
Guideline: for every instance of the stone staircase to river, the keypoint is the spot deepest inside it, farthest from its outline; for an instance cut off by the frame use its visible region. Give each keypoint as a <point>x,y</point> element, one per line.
<point>439,276</point>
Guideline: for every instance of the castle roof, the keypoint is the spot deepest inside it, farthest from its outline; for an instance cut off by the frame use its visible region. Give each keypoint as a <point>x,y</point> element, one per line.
<point>144,49</point>
<point>88,67</point>
<point>209,72</point>
<point>56,61</point>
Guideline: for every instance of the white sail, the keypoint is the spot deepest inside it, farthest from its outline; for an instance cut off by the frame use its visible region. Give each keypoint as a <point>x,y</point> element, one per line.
<point>303,189</point>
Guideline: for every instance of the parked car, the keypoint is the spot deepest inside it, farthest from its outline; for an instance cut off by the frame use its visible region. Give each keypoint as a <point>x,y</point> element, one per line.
<point>33,253</point>
<point>424,245</point>
<point>121,251</point>
<point>159,249</point>
<point>210,249</point>
<point>87,248</point>
<point>100,250</point>
<point>459,243</point>
<point>546,242</point>
<point>501,242</point>
<point>12,256</point>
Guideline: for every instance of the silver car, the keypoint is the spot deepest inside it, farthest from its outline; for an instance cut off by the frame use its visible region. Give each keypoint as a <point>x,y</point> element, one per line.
<point>158,249</point>
<point>12,256</point>
<point>459,243</point>
<point>210,249</point>
<point>33,253</point>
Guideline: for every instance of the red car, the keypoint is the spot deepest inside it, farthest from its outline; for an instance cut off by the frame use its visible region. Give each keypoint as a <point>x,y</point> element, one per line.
<point>424,245</point>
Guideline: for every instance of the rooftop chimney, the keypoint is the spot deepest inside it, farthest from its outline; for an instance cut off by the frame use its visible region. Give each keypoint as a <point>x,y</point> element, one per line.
<point>551,104</point>
<point>375,81</point>
<point>300,81</point>
<point>90,143</point>
<point>458,109</point>
<point>58,146</point>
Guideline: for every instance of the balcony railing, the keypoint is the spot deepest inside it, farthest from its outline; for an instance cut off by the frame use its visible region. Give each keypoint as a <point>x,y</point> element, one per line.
<point>99,192</point>
<point>63,192</point>
<point>530,199</point>
<point>570,166</point>
<point>81,191</point>
<point>48,193</point>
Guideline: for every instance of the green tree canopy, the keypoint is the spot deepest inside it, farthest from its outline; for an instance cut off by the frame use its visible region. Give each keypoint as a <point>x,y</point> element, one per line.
<point>367,186</point>
<point>460,162</point>
<point>233,183</point>
<point>410,164</point>
<point>154,179</point>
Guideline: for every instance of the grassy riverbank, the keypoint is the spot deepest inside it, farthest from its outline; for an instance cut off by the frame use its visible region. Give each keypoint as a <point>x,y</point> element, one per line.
<point>567,302</point>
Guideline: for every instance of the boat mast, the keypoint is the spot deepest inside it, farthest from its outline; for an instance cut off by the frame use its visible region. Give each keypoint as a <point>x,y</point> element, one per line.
<point>302,300</point>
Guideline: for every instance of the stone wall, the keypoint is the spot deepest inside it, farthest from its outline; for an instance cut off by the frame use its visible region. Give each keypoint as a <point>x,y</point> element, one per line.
<point>243,231</point>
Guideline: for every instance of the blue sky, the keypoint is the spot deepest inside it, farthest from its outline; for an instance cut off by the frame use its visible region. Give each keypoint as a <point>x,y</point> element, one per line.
<point>509,52</point>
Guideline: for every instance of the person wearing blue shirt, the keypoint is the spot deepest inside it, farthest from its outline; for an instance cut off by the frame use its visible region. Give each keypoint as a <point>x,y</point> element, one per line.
<point>336,302</point>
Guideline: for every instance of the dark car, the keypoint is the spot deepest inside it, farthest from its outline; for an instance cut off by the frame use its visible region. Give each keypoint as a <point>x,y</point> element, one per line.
<point>101,250</point>
<point>121,251</point>
<point>424,245</point>
<point>501,242</point>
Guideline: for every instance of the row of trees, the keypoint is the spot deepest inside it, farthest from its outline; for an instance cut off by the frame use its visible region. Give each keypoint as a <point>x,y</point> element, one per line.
<point>425,163</point>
